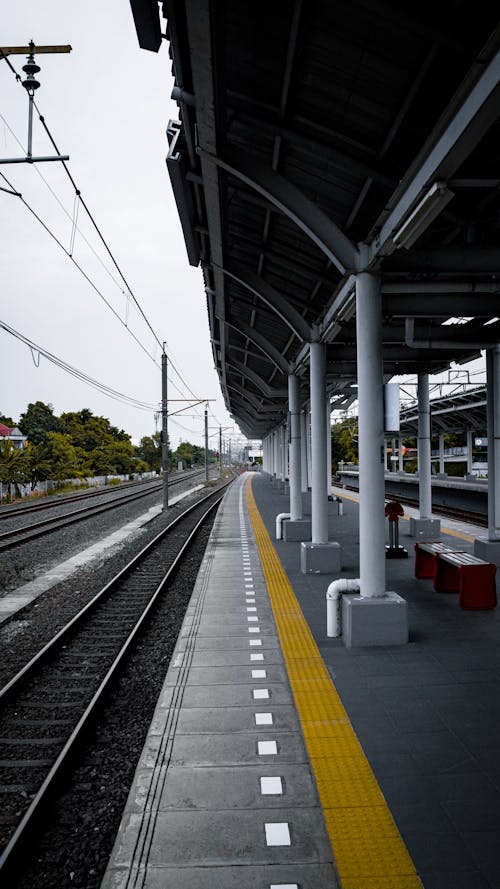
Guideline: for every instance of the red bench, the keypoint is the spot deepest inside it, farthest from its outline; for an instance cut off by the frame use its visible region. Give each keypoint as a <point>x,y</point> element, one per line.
<point>473,579</point>
<point>426,557</point>
<point>456,571</point>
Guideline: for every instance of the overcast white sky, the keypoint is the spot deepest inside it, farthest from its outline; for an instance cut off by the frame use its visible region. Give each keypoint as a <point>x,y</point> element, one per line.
<point>107,105</point>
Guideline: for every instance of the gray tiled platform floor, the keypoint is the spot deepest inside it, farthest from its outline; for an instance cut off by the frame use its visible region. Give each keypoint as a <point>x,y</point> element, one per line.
<point>427,713</point>
<point>224,758</point>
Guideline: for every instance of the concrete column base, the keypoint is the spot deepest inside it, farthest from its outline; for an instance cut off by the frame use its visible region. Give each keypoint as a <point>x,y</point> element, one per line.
<point>425,529</point>
<point>306,503</point>
<point>296,530</point>
<point>488,550</point>
<point>378,621</point>
<point>286,488</point>
<point>320,558</point>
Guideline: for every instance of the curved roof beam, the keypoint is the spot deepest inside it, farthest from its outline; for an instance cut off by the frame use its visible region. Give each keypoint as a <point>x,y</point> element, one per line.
<point>274,300</point>
<point>257,380</point>
<point>262,343</point>
<point>293,203</point>
<point>253,400</point>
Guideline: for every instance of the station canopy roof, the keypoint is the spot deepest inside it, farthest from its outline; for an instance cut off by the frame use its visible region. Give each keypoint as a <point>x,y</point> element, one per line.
<point>317,139</point>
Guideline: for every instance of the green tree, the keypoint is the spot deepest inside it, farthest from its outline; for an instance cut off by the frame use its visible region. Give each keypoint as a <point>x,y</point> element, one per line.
<point>7,421</point>
<point>56,458</point>
<point>345,441</point>
<point>37,421</point>
<point>14,467</point>
<point>114,458</point>
<point>90,432</point>
<point>149,450</point>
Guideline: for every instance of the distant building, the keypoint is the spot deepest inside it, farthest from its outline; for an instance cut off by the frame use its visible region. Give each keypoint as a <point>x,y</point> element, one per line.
<point>14,435</point>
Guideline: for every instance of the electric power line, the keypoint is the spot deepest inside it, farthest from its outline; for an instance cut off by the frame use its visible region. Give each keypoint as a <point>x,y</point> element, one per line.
<point>75,372</point>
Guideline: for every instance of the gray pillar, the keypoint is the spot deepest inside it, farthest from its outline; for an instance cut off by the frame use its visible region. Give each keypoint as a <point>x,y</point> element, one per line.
<point>371,436</point>
<point>303,450</point>
<point>319,502</point>
<point>493,389</point>
<point>488,548</point>
<point>401,463</point>
<point>424,448</point>
<point>441,453</point>
<point>283,452</point>
<point>328,447</point>
<point>468,433</point>
<point>276,453</point>
<point>309,451</point>
<point>295,465</point>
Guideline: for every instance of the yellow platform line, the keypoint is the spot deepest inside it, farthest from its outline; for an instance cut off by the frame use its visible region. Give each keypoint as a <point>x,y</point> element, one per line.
<point>368,848</point>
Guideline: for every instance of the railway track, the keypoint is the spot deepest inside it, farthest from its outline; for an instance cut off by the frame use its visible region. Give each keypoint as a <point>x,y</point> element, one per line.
<point>51,702</point>
<point>452,512</point>
<point>20,509</point>
<point>24,533</point>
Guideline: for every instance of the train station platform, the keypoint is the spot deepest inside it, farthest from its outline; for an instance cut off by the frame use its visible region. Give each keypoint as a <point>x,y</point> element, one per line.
<point>280,759</point>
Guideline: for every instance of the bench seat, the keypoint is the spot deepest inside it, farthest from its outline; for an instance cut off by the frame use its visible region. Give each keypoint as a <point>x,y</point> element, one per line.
<point>472,578</point>
<point>426,556</point>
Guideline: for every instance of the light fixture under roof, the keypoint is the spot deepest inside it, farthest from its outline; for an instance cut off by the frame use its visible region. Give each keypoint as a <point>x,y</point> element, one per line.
<point>438,196</point>
<point>457,320</point>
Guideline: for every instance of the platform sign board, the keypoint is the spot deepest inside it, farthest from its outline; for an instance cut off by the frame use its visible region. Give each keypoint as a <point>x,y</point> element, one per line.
<point>391,408</point>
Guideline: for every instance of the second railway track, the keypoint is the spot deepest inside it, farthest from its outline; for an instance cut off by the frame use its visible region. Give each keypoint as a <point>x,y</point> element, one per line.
<point>47,706</point>
<point>24,533</point>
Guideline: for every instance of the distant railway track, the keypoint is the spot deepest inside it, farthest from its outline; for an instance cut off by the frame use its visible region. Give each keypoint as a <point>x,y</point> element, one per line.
<point>48,706</point>
<point>452,512</point>
<point>25,533</point>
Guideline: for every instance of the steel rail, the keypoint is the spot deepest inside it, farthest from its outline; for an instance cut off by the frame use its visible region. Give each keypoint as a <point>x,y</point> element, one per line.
<point>7,512</point>
<point>17,840</point>
<point>26,533</point>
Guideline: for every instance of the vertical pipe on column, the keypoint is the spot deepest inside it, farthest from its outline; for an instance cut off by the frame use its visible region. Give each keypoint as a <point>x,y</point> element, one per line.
<point>328,447</point>
<point>468,433</point>
<point>295,465</point>
<point>371,436</point>
<point>319,501</point>
<point>441,453</point>
<point>493,389</point>
<point>303,450</point>
<point>424,447</point>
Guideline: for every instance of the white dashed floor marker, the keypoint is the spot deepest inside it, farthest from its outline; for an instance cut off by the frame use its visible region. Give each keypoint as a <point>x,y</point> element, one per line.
<point>257,657</point>
<point>254,641</point>
<point>259,674</point>
<point>271,785</point>
<point>260,694</point>
<point>278,834</point>
<point>267,748</point>
<point>263,718</point>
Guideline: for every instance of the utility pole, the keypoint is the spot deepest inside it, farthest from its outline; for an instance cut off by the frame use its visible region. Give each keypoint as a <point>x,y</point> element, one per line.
<point>164,427</point>
<point>31,84</point>
<point>206,443</point>
<point>220,451</point>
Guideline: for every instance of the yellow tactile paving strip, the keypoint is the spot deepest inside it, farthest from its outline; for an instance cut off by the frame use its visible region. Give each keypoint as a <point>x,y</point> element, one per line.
<point>368,848</point>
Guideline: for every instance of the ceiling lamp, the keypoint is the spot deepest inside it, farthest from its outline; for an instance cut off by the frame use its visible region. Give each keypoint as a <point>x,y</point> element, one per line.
<point>438,196</point>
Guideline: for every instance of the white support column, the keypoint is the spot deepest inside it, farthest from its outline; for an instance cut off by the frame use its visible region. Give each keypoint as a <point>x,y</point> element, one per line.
<point>309,450</point>
<point>303,450</point>
<point>441,453</point>
<point>488,548</point>
<point>283,451</point>
<point>295,455</point>
<point>374,617</point>
<point>319,556</point>
<point>328,447</point>
<point>400,454</point>
<point>371,436</point>
<point>319,502</point>
<point>468,434</point>
<point>425,527</point>
<point>424,447</point>
<point>276,454</point>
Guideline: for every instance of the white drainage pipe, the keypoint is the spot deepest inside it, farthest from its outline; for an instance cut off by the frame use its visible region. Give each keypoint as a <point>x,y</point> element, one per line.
<point>333,595</point>
<point>279,524</point>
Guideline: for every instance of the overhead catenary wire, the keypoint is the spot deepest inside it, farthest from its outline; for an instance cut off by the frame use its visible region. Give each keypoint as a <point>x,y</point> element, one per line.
<point>75,372</point>
<point>81,200</point>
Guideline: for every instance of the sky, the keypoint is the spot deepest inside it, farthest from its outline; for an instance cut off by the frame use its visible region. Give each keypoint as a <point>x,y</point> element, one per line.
<point>107,105</point>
